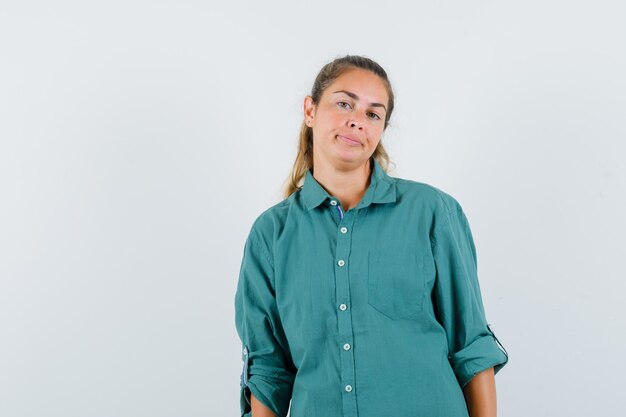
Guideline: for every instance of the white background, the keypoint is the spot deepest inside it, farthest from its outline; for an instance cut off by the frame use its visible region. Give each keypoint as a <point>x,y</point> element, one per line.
<point>139,140</point>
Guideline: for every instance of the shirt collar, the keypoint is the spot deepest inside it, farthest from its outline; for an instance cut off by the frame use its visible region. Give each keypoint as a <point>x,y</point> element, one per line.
<point>382,189</point>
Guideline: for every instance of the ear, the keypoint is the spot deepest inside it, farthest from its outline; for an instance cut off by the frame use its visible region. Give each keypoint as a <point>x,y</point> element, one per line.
<point>309,110</point>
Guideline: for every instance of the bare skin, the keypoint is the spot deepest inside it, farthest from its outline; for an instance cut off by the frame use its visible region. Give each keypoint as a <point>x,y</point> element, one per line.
<point>480,394</point>
<point>352,107</point>
<point>258,409</point>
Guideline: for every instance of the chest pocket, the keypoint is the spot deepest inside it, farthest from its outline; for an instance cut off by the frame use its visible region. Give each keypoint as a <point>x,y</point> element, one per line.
<point>396,282</point>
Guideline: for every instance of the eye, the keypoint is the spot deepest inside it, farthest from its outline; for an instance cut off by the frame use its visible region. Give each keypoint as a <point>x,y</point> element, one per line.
<point>343,102</point>
<point>377,117</point>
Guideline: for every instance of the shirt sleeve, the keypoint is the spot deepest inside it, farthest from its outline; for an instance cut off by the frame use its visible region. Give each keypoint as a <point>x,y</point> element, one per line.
<point>268,371</point>
<point>472,345</point>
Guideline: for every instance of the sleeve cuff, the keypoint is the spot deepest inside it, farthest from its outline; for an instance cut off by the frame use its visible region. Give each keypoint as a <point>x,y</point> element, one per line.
<point>481,354</point>
<point>272,389</point>
<point>244,401</point>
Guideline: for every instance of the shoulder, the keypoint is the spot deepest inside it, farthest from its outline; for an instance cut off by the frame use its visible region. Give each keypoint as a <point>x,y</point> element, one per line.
<point>433,196</point>
<point>268,224</point>
<point>436,205</point>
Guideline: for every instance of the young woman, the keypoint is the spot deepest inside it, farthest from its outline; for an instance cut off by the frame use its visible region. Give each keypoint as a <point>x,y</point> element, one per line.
<point>358,294</point>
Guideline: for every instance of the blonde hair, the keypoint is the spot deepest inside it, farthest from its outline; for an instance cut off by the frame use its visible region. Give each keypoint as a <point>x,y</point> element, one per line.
<point>327,75</point>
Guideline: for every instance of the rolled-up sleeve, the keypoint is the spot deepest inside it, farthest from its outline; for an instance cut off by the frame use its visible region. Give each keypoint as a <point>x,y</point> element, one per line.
<point>268,371</point>
<point>472,345</point>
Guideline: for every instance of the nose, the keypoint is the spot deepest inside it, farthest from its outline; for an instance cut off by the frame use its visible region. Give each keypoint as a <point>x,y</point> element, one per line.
<point>355,121</point>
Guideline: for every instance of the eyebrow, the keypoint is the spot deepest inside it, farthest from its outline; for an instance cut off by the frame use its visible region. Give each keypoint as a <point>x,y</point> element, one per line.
<point>355,97</point>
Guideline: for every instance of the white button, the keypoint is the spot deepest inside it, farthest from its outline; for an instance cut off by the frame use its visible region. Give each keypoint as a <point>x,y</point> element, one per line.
<point>346,346</point>
<point>344,229</point>
<point>343,307</point>
<point>245,351</point>
<point>348,388</point>
<point>333,202</point>
<point>341,262</point>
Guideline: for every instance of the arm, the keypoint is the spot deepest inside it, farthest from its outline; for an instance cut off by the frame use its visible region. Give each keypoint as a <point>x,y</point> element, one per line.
<point>480,394</point>
<point>474,352</point>
<point>259,410</point>
<point>268,371</point>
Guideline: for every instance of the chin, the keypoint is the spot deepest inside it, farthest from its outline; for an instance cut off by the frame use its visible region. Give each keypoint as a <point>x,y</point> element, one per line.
<point>352,161</point>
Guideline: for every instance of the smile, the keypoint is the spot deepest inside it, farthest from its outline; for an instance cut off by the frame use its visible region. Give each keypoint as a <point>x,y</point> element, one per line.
<point>349,141</point>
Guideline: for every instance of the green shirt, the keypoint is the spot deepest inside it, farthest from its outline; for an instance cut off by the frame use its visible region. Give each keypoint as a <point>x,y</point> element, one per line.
<point>373,312</point>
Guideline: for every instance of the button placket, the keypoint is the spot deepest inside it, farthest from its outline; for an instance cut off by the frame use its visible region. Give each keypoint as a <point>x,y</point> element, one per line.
<point>342,279</point>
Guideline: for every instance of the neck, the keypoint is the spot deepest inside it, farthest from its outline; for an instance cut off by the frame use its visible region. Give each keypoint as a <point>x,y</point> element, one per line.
<point>348,185</point>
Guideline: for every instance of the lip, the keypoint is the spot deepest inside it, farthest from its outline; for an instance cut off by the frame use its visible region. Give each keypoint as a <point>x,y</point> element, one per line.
<point>350,140</point>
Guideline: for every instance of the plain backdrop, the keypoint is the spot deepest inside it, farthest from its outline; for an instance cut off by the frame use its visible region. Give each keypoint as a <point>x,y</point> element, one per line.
<point>140,139</point>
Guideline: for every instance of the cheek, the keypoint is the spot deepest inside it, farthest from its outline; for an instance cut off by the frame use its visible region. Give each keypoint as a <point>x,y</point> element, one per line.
<point>374,142</point>
<point>332,123</point>
<point>335,119</point>
<point>374,130</point>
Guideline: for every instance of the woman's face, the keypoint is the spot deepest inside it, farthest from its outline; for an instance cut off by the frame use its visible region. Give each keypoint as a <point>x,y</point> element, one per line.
<point>349,119</point>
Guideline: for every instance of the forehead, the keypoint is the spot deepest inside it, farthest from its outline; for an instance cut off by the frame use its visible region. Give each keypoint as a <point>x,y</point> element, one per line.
<point>365,84</point>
